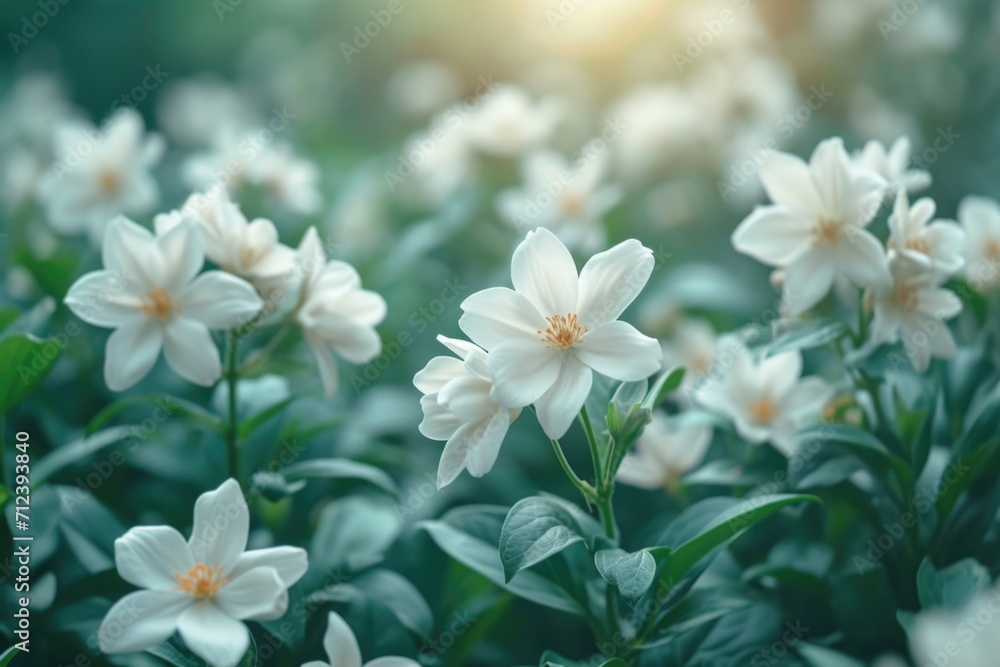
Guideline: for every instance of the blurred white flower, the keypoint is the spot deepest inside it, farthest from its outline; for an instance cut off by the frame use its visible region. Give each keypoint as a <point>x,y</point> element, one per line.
<point>459,407</point>
<point>839,24</point>
<point>657,126</point>
<point>937,245</point>
<point>767,400</point>
<point>203,588</point>
<point>871,115</point>
<point>953,637</point>
<point>99,173</point>
<point>421,88</point>
<point>547,335</point>
<point>19,178</point>
<point>249,250</point>
<point>293,181</point>
<point>692,346</point>
<point>148,293</point>
<point>980,218</point>
<point>334,312</point>
<point>33,108</point>
<point>192,110</point>
<point>892,166</point>
<point>569,199</point>
<point>342,648</point>
<point>815,230</point>
<point>432,165</point>
<point>508,123</point>
<point>664,453</point>
<point>914,308</point>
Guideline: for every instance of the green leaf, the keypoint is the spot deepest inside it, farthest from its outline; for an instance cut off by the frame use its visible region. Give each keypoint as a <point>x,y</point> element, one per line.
<point>950,587</point>
<point>33,322</point>
<point>340,469</point>
<point>664,385</point>
<point>78,450</point>
<point>820,656</point>
<point>632,573</point>
<point>169,652</point>
<point>24,362</point>
<point>482,557</point>
<point>163,403</point>
<point>698,607</point>
<point>401,597</point>
<point>812,334</point>
<point>539,527</point>
<point>250,424</point>
<point>352,534</point>
<point>861,443</point>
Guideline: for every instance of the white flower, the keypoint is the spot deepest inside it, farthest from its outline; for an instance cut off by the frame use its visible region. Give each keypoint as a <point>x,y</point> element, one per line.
<point>568,199</point>
<point>767,400</point>
<point>509,123</point>
<point>192,110</point>
<point>202,588</point>
<point>459,407</point>
<point>938,245</point>
<point>342,648</point>
<point>100,173</point>
<point>149,294</point>
<point>693,347</point>
<point>915,308</point>
<point>657,125</point>
<point>433,165</point>
<point>547,335</point>
<point>892,166</point>
<point>292,180</point>
<point>980,218</point>
<point>816,228</point>
<point>249,250</point>
<point>664,453</point>
<point>334,312</point>
<point>420,88</point>
<point>952,637</point>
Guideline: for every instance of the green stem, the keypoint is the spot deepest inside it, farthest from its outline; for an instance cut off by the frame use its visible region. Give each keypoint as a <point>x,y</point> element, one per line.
<point>261,356</point>
<point>232,374</point>
<point>586,489</point>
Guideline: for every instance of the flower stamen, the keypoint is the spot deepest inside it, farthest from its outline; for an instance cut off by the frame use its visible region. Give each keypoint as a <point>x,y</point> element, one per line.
<point>763,410</point>
<point>563,332</point>
<point>826,231</point>
<point>201,581</point>
<point>159,304</point>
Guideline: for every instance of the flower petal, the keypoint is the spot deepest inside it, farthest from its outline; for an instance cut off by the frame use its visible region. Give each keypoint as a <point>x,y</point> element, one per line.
<point>289,562</point>
<point>392,661</point>
<point>787,181</point>
<point>150,556</point>
<point>468,398</point>
<point>639,472</point>
<point>340,643</point>
<point>131,352</point>
<point>523,371</point>
<point>941,304</point>
<point>807,281</point>
<point>221,524</point>
<point>141,620</point>
<point>560,405</point>
<point>183,255</point>
<point>779,374</point>
<point>220,300</point>
<point>327,365</point>
<point>863,260</point>
<point>774,235</point>
<point>611,280</point>
<point>101,298</point>
<point>132,252</point>
<point>544,272</point>
<point>258,594</point>
<point>497,315</point>
<point>189,350</point>
<point>438,423</point>
<point>438,372</point>
<point>217,639</point>
<point>486,443</point>
<point>618,350</point>
<point>808,399</point>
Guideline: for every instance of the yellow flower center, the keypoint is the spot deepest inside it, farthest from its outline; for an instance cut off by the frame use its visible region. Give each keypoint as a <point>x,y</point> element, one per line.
<point>992,249</point>
<point>159,304</point>
<point>563,332</point>
<point>826,231</point>
<point>919,245</point>
<point>201,581</point>
<point>108,182</point>
<point>763,410</point>
<point>906,296</point>
<point>573,204</point>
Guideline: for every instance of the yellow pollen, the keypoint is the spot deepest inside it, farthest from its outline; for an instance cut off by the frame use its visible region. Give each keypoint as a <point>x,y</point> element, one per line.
<point>201,581</point>
<point>108,181</point>
<point>573,204</point>
<point>906,296</point>
<point>763,410</point>
<point>919,245</point>
<point>159,304</point>
<point>826,231</point>
<point>992,249</point>
<point>563,332</point>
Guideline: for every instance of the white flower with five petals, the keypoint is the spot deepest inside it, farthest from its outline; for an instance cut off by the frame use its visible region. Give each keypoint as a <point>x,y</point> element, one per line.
<point>149,294</point>
<point>892,166</point>
<point>936,245</point>
<point>664,452</point>
<point>334,312</point>
<point>459,407</point>
<point>815,230</point>
<point>342,648</point>
<point>767,400</point>
<point>547,335</point>
<point>204,587</point>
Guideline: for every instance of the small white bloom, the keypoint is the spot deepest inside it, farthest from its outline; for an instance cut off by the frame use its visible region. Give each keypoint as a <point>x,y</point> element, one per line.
<point>664,453</point>
<point>100,173</point>
<point>570,200</point>
<point>656,126</point>
<point>692,346</point>
<point>433,165</point>
<point>192,110</point>
<point>249,250</point>
<point>815,229</point>
<point>767,400</point>
<point>334,312</point>
<point>342,648</point>
<point>937,245</point>
<point>547,335</point>
<point>980,218</point>
<point>459,407</point>
<point>204,588</point>
<point>423,87</point>
<point>936,632</point>
<point>914,309</point>
<point>892,166</point>
<point>149,295</point>
<point>508,123</point>
<point>292,180</point>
